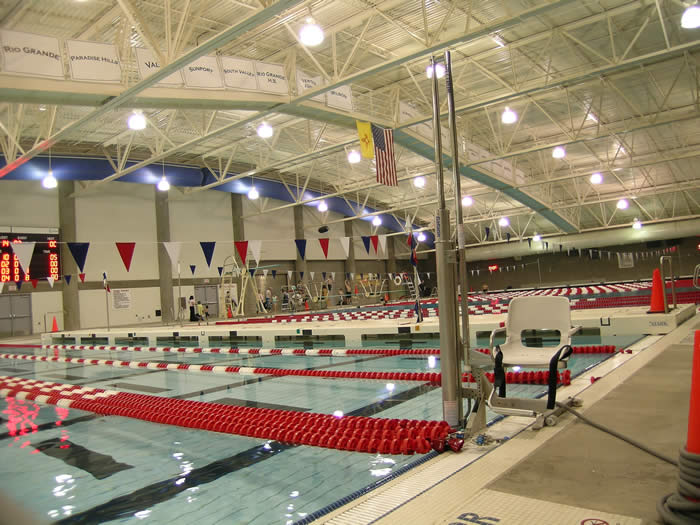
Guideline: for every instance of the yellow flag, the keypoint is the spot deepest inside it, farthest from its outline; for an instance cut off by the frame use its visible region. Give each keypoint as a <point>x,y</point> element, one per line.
<point>364,130</point>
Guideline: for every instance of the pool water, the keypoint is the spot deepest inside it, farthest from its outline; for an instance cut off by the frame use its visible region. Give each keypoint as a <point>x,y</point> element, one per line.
<point>71,466</point>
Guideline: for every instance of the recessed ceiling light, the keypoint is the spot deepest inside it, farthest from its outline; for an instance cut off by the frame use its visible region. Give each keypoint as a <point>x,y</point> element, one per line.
<point>559,152</point>
<point>596,178</point>
<point>311,33</point>
<point>354,157</point>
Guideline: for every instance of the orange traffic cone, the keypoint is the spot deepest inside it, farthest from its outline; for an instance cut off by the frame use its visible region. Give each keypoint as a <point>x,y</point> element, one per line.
<point>306,305</point>
<point>229,313</point>
<point>356,290</point>
<point>54,325</point>
<point>657,293</point>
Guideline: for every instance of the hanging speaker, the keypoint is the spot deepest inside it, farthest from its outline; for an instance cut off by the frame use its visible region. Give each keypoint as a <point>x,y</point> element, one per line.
<point>323,229</point>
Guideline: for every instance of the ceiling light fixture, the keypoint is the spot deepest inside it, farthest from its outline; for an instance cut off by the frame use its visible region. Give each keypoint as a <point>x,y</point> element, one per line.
<point>509,116</point>
<point>467,200</point>
<point>354,157</point>
<point>559,152</point>
<point>322,206</point>
<point>637,225</point>
<point>503,222</point>
<point>537,237</point>
<point>691,17</point>
<point>265,131</point>
<point>163,184</point>
<point>136,121</point>
<point>49,181</point>
<point>421,237</point>
<point>377,221</point>
<point>253,193</point>
<point>419,182</point>
<point>596,178</point>
<point>439,70</point>
<point>623,204</point>
<point>311,33</point>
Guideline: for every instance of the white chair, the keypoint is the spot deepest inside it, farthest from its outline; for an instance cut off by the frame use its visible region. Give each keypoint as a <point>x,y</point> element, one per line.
<point>550,313</point>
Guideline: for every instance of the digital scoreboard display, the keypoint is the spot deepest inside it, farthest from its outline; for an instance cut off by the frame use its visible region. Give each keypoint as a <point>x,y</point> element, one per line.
<point>45,260</point>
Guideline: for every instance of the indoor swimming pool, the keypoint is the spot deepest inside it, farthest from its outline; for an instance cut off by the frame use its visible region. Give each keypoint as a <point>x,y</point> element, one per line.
<point>72,466</point>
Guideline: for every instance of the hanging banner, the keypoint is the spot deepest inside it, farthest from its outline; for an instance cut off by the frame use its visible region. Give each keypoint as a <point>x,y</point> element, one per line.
<point>239,73</point>
<point>301,247</point>
<point>203,73</point>
<point>365,241</point>
<point>208,250</point>
<point>382,243</point>
<point>192,268</point>
<point>289,274</point>
<point>345,243</point>
<point>256,248</point>
<point>242,249</point>
<point>272,78</point>
<point>340,98</point>
<point>79,252</point>
<point>93,61</point>
<point>28,54</point>
<point>126,251</point>
<point>265,273</point>
<point>324,245</point>
<point>24,252</point>
<point>148,64</point>
<point>375,242</point>
<point>306,82</point>
<point>173,249</point>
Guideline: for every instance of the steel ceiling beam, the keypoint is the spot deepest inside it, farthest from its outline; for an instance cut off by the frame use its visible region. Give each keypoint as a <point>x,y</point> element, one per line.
<point>260,17</point>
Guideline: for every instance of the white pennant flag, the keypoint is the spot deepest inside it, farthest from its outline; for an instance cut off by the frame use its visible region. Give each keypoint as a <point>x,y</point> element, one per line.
<point>24,252</point>
<point>352,276</point>
<point>333,276</point>
<point>265,273</point>
<point>173,249</point>
<point>428,275</point>
<point>289,274</point>
<point>382,243</point>
<point>51,280</point>
<point>345,243</point>
<point>256,248</point>
<point>2,285</point>
<point>312,275</point>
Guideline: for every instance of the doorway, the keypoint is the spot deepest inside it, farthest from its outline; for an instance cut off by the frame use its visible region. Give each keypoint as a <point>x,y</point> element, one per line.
<point>209,295</point>
<point>15,315</point>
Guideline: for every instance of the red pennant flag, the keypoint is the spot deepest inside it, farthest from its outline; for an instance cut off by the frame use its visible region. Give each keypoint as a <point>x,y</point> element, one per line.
<point>242,248</point>
<point>35,282</point>
<point>82,277</point>
<point>375,241</point>
<point>324,246</point>
<point>126,250</point>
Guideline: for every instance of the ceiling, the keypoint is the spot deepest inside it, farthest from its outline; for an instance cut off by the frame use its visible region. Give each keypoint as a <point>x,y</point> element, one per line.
<point>613,82</point>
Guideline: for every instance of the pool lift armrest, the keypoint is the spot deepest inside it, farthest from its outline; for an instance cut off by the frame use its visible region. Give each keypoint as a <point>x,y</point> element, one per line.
<point>500,330</point>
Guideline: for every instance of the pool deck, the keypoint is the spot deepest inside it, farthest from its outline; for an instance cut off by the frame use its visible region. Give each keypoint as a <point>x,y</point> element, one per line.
<point>566,474</point>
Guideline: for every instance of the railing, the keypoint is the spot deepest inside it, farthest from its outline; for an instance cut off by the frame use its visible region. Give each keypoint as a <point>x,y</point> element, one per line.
<point>663,281</point>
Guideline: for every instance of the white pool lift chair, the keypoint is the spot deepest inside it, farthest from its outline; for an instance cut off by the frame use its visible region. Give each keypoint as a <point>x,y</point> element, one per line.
<point>524,314</point>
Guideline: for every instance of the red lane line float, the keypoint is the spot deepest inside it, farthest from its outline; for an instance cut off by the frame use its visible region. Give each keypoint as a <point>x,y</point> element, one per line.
<point>361,434</point>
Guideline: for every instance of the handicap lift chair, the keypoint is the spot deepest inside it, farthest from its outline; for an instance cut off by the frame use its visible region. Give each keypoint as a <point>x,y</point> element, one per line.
<point>529,313</point>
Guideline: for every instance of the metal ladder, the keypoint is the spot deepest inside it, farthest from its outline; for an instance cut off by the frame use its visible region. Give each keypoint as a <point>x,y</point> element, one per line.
<point>411,288</point>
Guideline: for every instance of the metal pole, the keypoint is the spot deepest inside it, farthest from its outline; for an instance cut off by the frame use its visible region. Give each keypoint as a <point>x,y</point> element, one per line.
<point>180,312</point>
<point>457,180</point>
<point>452,410</point>
<point>107,307</point>
<point>539,272</point>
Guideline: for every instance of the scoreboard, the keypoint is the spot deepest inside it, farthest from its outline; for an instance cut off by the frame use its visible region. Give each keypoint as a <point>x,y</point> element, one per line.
<point>45,260</point>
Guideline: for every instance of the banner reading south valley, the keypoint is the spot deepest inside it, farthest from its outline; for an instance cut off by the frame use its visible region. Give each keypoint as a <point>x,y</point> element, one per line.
<point>306,82</point>
<point>28,54</point>
<point>203,73</point>
<point>272,78</point>
<point>239,73</point>
<point>340,98</point>
<point>148,64</point>
<point>93,61</point>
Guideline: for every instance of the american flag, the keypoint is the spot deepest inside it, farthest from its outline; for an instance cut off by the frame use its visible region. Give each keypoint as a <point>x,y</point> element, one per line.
<point>384,155</point>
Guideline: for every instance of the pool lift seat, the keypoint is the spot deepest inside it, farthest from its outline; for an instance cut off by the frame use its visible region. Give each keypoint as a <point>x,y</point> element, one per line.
<point>532,313</point>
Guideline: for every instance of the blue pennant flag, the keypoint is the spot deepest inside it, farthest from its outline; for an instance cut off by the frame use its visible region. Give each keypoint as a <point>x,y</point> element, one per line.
<point>192,267</point>
<point>347,275</point>
<point>301,246</point>
<point>414,258</point>
<point>208,249</point>
<point>274,273</point>
<point>365,241</point>
<point>529,242</point>
<point>252,271</point>
<point>220,269</point>
<point>19,285</point>
<point>67,278</point>
<point>79,252</point>
<point>301,276</point>
<point>488,231</point>
<point>508,237</point>
<point>324,275</point>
